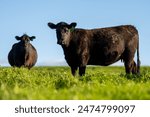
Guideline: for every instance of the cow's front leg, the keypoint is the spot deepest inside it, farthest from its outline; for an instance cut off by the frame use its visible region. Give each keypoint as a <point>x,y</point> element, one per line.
<point>82,70</point>
<point>83,62</point>
<point>73,70</point>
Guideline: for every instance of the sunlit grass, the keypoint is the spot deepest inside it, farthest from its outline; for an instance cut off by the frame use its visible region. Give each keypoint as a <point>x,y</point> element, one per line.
<point>58,83</point>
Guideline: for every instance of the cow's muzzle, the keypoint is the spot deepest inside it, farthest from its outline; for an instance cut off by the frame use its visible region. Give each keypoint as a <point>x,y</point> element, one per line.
<point>60,42</point>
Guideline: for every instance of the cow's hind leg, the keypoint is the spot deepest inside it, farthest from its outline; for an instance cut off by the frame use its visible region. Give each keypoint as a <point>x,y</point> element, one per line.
<point>134,68</point>
<point>130,65</point>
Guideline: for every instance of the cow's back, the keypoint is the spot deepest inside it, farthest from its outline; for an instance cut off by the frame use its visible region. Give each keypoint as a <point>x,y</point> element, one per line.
<point>108,44</point>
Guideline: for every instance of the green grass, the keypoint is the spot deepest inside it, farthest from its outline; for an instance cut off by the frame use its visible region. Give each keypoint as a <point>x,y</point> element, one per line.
<point>58,83</point>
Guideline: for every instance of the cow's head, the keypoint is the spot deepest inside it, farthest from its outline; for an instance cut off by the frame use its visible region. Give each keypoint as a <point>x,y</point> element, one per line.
<point>25,39</point>
<point>63,31</point>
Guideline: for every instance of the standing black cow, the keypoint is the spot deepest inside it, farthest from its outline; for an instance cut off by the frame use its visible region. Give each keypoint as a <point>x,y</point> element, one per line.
<point>102,46</point>
<point>23,53</point>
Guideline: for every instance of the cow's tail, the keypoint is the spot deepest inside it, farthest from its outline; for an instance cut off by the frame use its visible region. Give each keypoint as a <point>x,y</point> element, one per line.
<point>138,58</point>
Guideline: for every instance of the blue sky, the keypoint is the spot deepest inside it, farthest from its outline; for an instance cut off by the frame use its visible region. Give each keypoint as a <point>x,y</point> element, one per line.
<point>31,17</point>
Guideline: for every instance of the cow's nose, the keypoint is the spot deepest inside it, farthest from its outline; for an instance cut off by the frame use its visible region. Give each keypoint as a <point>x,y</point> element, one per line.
<point>59,42</point>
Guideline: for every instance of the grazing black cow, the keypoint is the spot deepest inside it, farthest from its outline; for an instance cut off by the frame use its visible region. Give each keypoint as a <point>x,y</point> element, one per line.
<point>23,53</point>
<point>102,46</point>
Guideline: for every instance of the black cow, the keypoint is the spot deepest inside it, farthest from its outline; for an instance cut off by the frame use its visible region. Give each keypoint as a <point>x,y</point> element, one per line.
<point>23,53</point>
<point>102,46</point>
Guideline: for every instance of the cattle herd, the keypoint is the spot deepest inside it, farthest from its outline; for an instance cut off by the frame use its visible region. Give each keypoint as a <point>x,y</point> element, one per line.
<point>81,47</point>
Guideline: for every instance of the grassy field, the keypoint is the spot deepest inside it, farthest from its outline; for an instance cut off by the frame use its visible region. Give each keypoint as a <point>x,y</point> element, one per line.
<point>58,83</point>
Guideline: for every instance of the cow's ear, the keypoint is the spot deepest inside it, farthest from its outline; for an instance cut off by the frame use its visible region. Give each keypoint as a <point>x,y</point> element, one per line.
<point>17,38</point>
<point>31,38</point>
<point>51,25</point>
<point>73,24</point>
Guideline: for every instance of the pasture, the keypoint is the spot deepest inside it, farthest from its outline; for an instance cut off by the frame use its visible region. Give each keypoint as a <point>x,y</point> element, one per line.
<point>58,83</point>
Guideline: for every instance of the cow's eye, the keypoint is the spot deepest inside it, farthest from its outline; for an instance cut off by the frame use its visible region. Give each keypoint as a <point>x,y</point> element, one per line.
<point>65,30</point>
